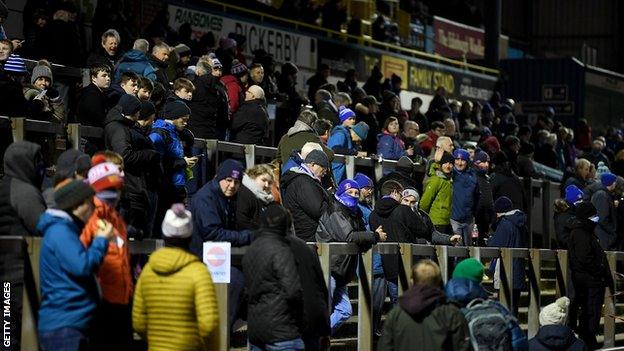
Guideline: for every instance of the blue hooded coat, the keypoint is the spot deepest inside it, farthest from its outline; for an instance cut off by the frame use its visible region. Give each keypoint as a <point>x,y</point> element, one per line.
<point>341,143</point>
<point>135,61</point>
<point>69,291</point>
<point>167,142</point>
<point>512,232</point>
<point>465,195</point>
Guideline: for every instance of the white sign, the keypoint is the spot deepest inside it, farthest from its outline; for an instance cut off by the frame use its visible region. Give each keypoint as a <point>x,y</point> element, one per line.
<point>285,46</point>
<point>217,256</point>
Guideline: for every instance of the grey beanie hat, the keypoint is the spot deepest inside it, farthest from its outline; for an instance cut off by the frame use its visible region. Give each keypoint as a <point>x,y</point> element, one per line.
<point>42,69</point>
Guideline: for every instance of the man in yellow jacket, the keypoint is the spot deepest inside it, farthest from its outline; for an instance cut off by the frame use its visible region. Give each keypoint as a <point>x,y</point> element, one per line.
<point>175,306</point>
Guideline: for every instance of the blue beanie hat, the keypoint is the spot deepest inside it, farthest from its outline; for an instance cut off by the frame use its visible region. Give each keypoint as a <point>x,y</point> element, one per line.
<point>573,194</point>
<point>346,185</point>
<point>230,168</point>
<point>363,181</point>
<point>461,154</point>
<point>361,129</point>
<point>345,113</point>
<point>607,179</point>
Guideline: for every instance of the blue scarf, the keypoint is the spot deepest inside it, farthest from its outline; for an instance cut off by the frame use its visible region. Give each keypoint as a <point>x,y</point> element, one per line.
<point>348,201</point>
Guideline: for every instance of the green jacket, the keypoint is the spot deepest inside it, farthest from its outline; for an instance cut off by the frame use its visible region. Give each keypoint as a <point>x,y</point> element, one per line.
<point>437,198</point>
<point>296,137</point>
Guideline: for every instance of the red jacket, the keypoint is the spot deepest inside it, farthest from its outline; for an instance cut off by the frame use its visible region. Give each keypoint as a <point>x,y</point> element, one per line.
<point>428,144</point>
<point>235,92</point>
<point>114,273</point>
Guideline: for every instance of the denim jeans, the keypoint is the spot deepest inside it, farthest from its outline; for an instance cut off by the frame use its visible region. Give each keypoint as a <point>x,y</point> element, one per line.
<point>463,229</point>
<point>66,339</point>
<point>393,290</point>
<point>341,306</point>
<point>295,344</point>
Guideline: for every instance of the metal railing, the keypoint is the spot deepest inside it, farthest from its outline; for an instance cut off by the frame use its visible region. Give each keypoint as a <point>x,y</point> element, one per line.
<point>29,248</point>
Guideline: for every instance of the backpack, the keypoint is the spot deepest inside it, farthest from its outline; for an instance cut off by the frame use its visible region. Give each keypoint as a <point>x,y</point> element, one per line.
<point>492,327</point>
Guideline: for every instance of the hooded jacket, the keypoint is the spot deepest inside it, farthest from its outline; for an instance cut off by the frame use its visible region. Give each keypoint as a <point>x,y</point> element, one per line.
<point>274,288</point>
<point>465,195</point>
<point>251,201</point>
<point>423,317</point>
<point>214,219</point>
<point>123,136</point>
<point>135,61</point>
<point>340,224</point>
<point>484,213</point>
<point>341,143</point>
<point>512,232</point>
<point>297,136</point>
<point>556,337</point>
<point>588,261</point>
<point>563,226</point>
<point>167,142</point>
<point>250,124</point>
<point>21,202</point>
<point>175,305</point>
<point>209,108</point>
<point>114,273</point>
<point>69,291</point>
<point>390,146</point>
<point>306,199</point>
<point>401,225</point>
<point>463,290</point>
<point>437,198</point>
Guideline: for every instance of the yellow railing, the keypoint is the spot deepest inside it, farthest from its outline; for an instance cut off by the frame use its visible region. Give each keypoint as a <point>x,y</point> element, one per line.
<point>367,41</point>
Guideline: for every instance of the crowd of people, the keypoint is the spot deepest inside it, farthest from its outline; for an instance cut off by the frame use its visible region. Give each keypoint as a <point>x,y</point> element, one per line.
<point>456,182</point>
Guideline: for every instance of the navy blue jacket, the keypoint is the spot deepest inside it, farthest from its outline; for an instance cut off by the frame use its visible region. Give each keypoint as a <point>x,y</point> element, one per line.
<point>556,337</point>
<point>465,195</point>
<point>214,219</point>
<point>69,292</point>
<point>390,147</point>
<point>512,232</point>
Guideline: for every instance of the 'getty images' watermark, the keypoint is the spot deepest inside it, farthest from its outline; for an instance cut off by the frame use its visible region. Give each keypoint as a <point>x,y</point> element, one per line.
<point>6,314</point>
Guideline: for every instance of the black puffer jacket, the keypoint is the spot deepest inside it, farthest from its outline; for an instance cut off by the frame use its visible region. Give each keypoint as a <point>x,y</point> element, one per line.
<point>339,224</point>
<point>274,288</point>
<point>563,226</point>
<point>21,202</point>
<point>124,137</point>
<point>250,124</point>
<point>209,108</point>
<point>401,225</point>
<point>556,337</point>
<point>588,261</point>
<point>307,201</point>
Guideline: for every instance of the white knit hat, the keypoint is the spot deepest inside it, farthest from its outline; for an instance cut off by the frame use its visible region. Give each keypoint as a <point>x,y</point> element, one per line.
<point>556,313</point>
<point>178,222</point>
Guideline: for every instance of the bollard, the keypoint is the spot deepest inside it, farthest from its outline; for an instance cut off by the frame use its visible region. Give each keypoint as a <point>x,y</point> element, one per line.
<point>350,166</point>
<point>407,261</point>
<point>250,155</point>
<point>609,307</point>
<point>535,276</point>
<point>365,301</point>
<point>17,127</point>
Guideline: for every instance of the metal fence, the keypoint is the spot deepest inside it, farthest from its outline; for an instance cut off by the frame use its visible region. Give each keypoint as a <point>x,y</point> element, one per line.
<point>29,248</point>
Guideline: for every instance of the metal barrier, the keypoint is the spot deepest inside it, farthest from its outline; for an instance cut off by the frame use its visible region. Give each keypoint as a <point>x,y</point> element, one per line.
<point>540,193</point>
<point>409,253</point>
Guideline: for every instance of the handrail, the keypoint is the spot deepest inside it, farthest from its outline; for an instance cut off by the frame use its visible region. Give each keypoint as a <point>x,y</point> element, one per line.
<point>361,40</point>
